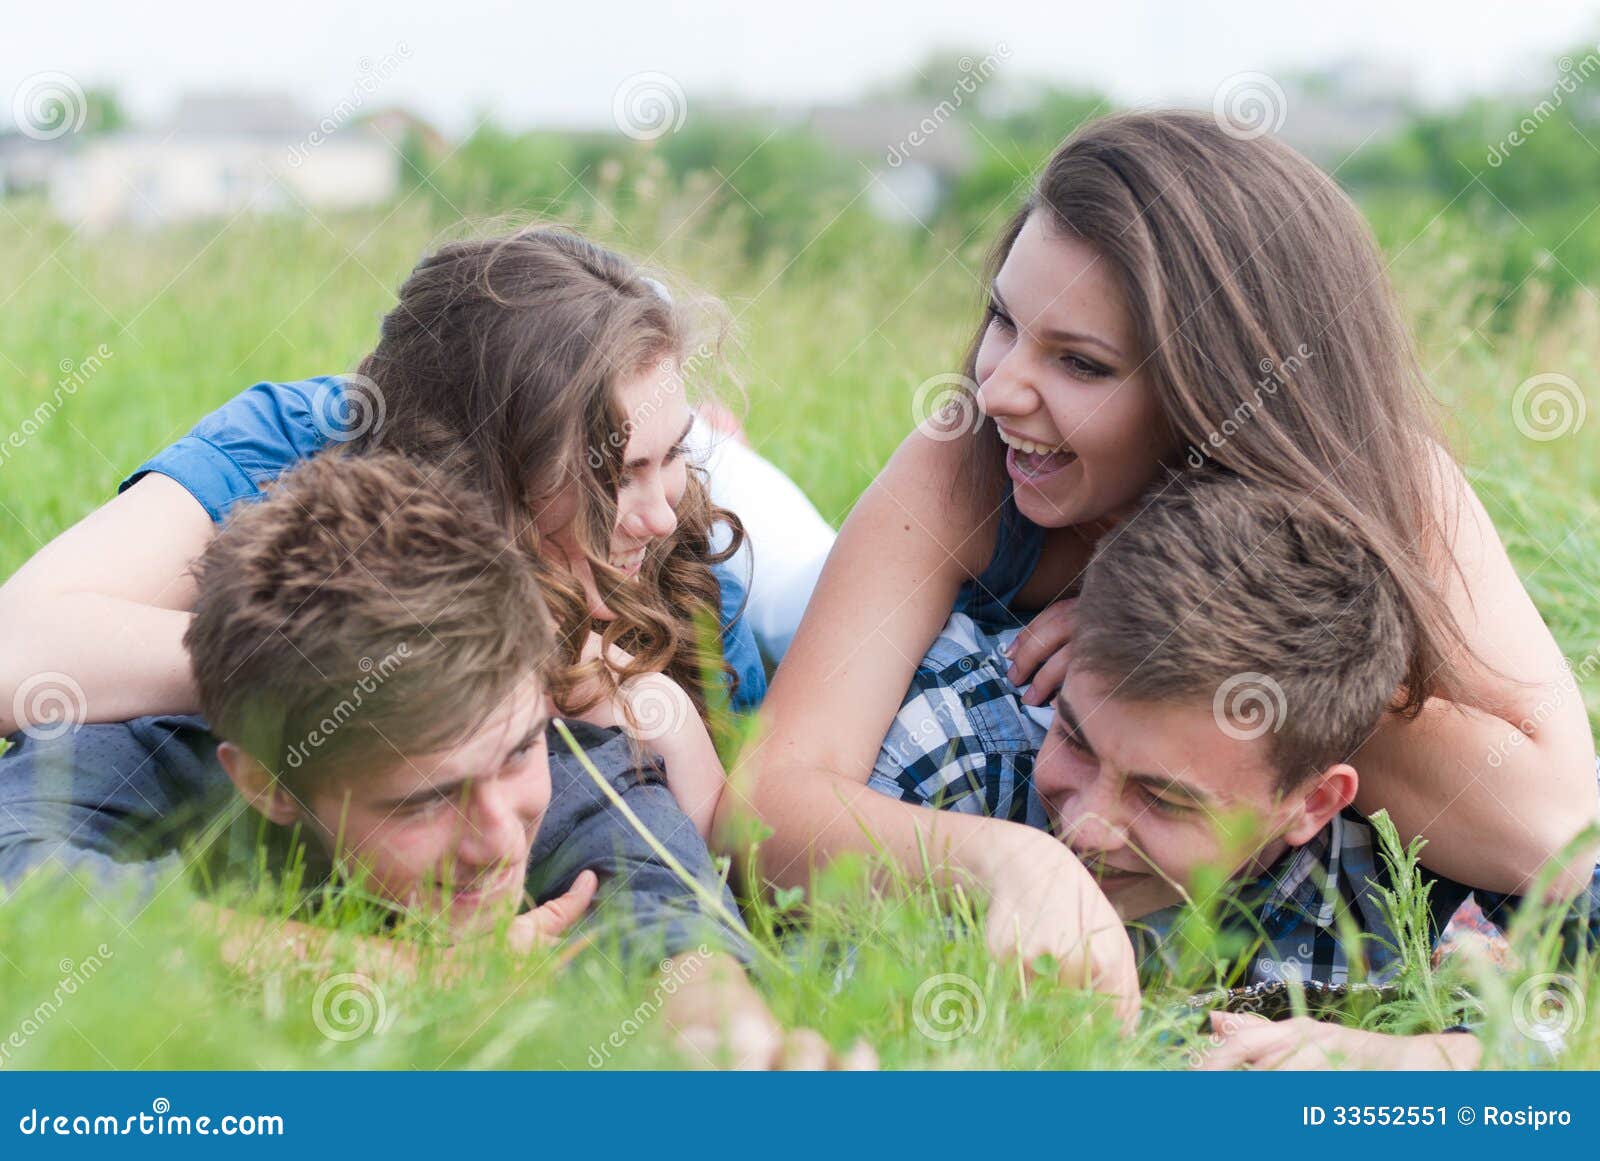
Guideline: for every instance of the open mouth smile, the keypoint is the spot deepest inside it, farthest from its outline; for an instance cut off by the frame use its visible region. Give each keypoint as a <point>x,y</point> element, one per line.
<point>1028,462</point>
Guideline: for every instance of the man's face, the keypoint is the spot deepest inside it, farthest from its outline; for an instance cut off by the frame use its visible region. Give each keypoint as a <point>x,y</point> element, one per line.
<point>447,833</point>
<point>1146,794</point>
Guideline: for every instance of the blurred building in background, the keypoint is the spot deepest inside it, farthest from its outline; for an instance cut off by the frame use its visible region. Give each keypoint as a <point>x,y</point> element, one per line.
<point>220,155</point>
<point>1341,108</point>
<point>915,158</point>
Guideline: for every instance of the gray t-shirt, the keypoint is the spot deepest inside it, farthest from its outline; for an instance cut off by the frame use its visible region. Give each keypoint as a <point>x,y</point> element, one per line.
<point>140,800</point>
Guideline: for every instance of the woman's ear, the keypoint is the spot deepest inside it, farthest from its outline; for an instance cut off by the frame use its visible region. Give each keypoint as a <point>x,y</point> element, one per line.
<point>256,785</point>
<point>1321,797</point>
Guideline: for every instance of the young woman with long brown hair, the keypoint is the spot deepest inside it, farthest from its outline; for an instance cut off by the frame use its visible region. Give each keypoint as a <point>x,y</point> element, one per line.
<point>1169,295</point>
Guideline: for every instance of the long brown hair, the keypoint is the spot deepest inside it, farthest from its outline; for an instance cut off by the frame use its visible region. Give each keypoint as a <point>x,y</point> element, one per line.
<point>1271,335</point>
<point>500,362</point>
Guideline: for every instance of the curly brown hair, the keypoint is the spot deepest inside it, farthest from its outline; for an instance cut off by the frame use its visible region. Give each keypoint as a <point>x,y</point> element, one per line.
<point>501,362</point>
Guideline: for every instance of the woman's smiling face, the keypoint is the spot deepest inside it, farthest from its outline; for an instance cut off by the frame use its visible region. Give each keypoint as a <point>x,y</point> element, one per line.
<point>655,467</point>
<point>1061,376</point>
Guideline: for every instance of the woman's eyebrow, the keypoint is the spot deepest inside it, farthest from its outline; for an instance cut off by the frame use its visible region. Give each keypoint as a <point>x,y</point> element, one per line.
<point>1050,334</point>
<point>1054,335</point>
<point>644,462</point>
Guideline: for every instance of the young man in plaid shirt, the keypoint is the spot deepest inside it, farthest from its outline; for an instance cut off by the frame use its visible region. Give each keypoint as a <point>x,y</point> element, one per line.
<point>1230,654</point>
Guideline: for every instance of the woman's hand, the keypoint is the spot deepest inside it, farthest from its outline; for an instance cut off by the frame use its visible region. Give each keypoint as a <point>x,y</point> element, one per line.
<point>605,695</point>
<point>1245,1040</point>
<point>721,1021</point>
<point>1040,653</point>
<point>657,713</point>
<point>1043,902</point>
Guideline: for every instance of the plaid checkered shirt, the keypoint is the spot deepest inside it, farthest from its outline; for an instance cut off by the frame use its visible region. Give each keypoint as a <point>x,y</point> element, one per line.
<point>963,741</point>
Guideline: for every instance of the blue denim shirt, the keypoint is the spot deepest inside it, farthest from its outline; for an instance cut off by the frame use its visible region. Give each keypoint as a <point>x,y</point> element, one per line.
<point>255,436</point>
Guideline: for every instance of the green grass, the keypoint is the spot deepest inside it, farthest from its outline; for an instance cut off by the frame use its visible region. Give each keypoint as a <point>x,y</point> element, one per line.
<point>832,343</point>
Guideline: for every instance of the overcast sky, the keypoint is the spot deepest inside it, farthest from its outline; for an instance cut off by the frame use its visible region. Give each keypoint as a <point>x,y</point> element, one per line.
<point>561,64</point>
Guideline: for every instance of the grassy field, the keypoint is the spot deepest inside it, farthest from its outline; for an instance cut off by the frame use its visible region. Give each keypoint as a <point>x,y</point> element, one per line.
<point>112,346</point>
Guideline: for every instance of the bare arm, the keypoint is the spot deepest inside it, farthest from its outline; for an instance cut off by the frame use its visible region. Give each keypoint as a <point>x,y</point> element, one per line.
<point>654,710</point>
<point>99,613</point>
<point>1498,787</point>
<point>886,591</point>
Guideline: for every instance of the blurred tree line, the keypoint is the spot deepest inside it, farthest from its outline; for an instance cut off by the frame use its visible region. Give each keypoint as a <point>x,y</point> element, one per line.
<point>1521,173</point>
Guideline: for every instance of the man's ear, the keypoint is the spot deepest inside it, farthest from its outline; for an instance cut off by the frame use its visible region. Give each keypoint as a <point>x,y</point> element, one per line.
<point>256,785</point>
<point>1318,800</point>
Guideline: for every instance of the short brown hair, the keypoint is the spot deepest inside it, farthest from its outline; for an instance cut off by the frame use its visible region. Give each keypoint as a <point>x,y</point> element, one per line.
<point>366,607</point>
<point>1242,594</point>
